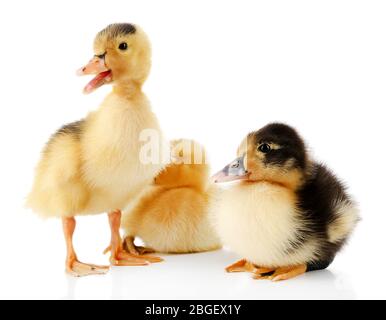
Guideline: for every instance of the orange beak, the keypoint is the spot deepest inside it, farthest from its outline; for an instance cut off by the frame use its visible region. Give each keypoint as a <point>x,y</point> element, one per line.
<point>96,66</point>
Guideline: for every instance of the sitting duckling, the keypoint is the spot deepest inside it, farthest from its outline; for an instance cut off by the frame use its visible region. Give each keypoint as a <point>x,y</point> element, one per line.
<point>289,214</point>
<point>93,165</point>
<point>172,215</point>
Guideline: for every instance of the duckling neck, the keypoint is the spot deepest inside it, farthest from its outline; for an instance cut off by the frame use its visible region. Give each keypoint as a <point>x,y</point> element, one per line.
<point>128,89</point>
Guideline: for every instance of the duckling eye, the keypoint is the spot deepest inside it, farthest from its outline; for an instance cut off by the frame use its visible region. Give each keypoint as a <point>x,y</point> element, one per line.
<point>264,148</point>
<point>122,46</point>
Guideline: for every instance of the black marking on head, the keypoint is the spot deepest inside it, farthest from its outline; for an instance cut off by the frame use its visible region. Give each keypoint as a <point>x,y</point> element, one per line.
<point>291,145</point>
<point>117,29</point>
<point>74,129</point>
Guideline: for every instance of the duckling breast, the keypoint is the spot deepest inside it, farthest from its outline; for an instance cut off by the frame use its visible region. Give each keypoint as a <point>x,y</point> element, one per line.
<point>260,222</point>
<point>112,145</point>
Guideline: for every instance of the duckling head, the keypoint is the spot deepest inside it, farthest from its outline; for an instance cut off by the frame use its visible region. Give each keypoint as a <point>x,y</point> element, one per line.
<point>188,166</point>
<point>122,56</point>
<point>275,153</point>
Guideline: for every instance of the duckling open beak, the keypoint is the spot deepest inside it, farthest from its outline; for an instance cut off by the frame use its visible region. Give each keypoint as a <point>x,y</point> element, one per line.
<point>96,66</point>
<point>233,171</point>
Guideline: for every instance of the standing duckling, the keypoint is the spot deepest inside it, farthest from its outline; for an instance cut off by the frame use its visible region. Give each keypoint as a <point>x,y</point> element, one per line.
<point>93,165</point>
<point>288,214</point>
<point>172,216</point>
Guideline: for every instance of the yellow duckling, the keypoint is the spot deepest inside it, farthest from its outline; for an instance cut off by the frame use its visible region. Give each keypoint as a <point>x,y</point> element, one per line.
<point>172,215</point>
<point>93,166</point>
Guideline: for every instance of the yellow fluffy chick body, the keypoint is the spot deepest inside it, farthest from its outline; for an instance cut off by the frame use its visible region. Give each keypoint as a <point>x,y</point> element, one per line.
<point>257,220</point>
<point>172,215</point>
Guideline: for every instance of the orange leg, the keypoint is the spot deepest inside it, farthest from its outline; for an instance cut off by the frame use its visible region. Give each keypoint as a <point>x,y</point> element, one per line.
<point>283,273</point>
<point>286,273</point>
<point>73,266</point>
<point>120,257</point>
<point>245,266</point>
<point>239,266</point>
<point>130,246</point>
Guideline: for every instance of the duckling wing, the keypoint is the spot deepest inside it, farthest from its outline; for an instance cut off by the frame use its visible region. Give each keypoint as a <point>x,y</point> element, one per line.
<point>328,211</point>
<point>58,189</point>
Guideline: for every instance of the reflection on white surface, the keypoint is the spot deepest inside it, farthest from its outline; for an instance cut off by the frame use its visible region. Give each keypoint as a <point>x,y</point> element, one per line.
<point>202,276</point>
<point>40,275</point>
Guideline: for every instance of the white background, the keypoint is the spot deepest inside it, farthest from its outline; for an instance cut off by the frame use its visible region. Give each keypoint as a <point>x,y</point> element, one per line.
<point>220,69</point>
